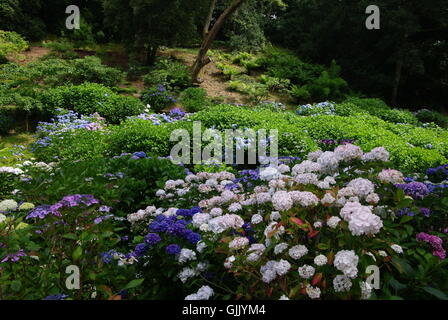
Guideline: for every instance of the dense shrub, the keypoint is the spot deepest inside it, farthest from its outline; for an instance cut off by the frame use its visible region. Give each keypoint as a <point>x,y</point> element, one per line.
<point>140,135</point>
<point>6,122</point>
<point>169,73</point>
<point>11,43</point>
<point>158,98</point>
<point>193,99</point>
<point>127,183</point>
<point>428,116</point>
<point>89,98</point>
<point>54,72</point>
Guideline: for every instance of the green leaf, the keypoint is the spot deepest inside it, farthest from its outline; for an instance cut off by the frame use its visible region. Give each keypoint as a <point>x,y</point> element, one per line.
<point>436,293</point>
<point>134,283</point>
<point>16,285</point>
<point>70,236</point>
<point>77,253</point>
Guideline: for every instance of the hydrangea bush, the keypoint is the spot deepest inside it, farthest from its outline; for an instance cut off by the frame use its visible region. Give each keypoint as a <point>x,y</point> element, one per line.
<point>308,231</point>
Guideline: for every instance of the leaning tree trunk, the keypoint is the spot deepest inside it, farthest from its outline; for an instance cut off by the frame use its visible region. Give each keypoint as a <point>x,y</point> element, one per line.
<point>202,59</point>
<point>208,21</point>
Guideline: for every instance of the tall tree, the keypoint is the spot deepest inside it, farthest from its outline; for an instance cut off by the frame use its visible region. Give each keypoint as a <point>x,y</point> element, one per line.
<point>145,25</point>
<point>202,60</point>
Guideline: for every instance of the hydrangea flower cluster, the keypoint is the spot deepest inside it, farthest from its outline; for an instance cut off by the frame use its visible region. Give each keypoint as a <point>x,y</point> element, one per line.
<point>273,220</point>
<point>435,242</point>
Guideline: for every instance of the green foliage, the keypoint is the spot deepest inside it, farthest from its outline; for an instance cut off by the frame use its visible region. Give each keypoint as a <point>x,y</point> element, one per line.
<point>428,116</point>
<point>62,49</point>
<point>194,99</point>
<point>140,135</point>
<point>75,145</point>
<point>158,98</point>
<point>124,183</point>
<point>8,183</point>
<point>81,37</point>
<point>6,122</point>
<point>380,109</point>
<point>255,90</point>
<point>169,73</point>
<point>90,98</point>
<point>11,43</point>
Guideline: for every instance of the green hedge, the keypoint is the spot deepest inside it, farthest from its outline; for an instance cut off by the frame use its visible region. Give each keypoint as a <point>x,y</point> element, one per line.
<point>89,98</point>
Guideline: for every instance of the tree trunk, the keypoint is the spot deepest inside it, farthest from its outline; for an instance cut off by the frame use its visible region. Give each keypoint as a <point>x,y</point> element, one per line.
<point>151,54</point>
<point>202,60</point>
<point>208,21</point>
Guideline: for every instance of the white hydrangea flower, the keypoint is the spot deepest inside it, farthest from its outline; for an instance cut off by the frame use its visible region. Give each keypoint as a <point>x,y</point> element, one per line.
<point>200,246</point>
<point>306,271</point>
<point>306,178</point>
<point>283,168</point>
<point>329,161</point>
<point>275,215</point>
<point>186,274</point>
<point>2,218</point>
<point>363,187</point>
<point>382,253</point>
<point>283,297</point>
<point>282,267</point>
<point>269,173</point>
<point>256,219</point>
<point>377,154</point>
<point>313,292</point>
<point>216,212</point>
<point>235,207</point>
<point>222,223</point>
<point>348,152</point>
<point>373,199</point>
<point>280,248</point>
<point>298,251</point>
<point>342,283</point>
<point>272,230</point>
<point>320,260</point>
<point>306,167</point>
<point>391,176</point>
<point>313,156</point>
<point>333,222</point>
<point>366,290</point>
<point>263,197</point>
<point>239,243</point>
<point>397,248</point>
<point>317,224</point>
<point>204,293</point>
<point>8,205</point>
<point>347,262</point>
<point>328,200</point>
<point>363,221</point>
<point>186,255</point>
<point>200,219</point>
<point>228,263</point>
<point>282,201</point>
<point>305,199</point>
<point>255,252</point>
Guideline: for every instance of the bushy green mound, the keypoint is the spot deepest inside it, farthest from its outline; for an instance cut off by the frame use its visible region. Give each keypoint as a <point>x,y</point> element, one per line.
<point>412,148</point>
<point>89,98</point>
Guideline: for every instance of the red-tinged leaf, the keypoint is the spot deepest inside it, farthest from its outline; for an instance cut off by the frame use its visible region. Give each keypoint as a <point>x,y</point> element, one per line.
<point>330,258</point>
<point>313,233</point>
<point>115,297</point>
<point>387,259</point>
<point>324,284</point>
<point>296,221</point>
<point>317,279</point>
<point>269,292</point>
<point>303,291</point>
